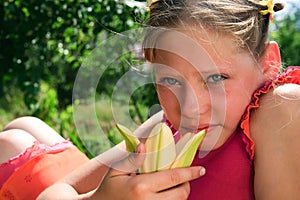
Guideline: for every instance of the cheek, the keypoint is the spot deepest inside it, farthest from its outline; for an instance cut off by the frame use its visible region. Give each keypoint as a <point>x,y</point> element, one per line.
<point>170,104</point>
<point>236,103</point>
<point>167,98</point>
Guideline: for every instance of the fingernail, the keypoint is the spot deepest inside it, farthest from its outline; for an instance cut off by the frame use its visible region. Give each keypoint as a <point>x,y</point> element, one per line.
<point>202,171</point>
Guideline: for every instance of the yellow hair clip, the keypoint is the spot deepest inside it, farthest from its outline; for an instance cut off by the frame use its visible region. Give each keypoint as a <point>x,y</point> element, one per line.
<point>269,4</point>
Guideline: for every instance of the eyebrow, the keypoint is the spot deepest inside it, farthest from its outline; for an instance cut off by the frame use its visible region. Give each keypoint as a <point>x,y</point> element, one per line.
<point>209,70</point>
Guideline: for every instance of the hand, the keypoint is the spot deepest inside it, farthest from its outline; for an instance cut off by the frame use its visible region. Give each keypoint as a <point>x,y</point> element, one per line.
<point>122,183</point>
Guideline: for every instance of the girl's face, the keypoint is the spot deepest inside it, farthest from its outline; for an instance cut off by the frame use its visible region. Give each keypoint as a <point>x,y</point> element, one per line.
<point>204,82</point>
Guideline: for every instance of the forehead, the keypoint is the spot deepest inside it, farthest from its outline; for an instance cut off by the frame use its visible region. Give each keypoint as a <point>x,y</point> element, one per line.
<point>199,48</point>
<point>191,42</point>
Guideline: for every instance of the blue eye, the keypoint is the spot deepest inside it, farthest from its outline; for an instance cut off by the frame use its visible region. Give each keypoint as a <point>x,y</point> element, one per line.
<point>169,81</point>
<point>215,78</point>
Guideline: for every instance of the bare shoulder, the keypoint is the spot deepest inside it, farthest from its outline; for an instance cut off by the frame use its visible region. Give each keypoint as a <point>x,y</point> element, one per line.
<point>279,111</point>
<point>275,129</point>
<point>277,120</point>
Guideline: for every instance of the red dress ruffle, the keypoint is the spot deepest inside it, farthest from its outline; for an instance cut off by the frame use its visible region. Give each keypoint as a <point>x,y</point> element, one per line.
<point>290,75</point>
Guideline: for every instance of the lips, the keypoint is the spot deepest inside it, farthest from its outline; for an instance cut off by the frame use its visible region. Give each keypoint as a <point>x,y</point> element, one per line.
<point>189,128</point>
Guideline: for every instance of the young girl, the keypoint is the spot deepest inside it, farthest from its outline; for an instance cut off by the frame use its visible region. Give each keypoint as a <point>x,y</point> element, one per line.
<point>209,58</point>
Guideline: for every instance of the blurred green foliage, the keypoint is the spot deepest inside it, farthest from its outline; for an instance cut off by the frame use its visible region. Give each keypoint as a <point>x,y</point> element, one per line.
<point>46,41</point>
<point>42,46</point>
<point>287,34</point>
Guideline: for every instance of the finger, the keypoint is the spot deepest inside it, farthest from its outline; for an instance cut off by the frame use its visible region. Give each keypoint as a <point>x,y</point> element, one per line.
<point>171,178</point>
<point>130,164</point>
<point>180,192</point>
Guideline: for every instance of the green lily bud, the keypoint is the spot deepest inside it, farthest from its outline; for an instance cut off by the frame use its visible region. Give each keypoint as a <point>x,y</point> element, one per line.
<point>161,150</point>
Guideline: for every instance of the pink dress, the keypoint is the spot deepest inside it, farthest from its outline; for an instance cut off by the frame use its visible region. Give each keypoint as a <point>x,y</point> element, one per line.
<point>28,174</point>
<point>229,169</point>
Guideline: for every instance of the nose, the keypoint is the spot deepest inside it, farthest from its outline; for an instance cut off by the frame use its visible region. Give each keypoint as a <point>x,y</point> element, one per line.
<point>195,101</point>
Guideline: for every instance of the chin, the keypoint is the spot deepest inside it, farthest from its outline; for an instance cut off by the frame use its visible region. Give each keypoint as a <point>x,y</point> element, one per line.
<point>211,142</point>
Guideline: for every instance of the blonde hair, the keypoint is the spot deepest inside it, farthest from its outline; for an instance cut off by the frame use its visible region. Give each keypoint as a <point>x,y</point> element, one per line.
<point>239,18</point>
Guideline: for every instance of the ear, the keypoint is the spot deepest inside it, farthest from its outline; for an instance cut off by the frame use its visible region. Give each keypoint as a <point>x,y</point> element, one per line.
<point>271,60</point>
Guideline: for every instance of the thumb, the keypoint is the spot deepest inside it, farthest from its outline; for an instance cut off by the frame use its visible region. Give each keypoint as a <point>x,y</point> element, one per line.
<point>129,164</point>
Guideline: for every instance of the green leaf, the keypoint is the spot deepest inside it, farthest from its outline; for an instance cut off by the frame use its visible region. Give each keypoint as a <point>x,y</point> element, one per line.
<point>130,140</point>
<point>187,153</point>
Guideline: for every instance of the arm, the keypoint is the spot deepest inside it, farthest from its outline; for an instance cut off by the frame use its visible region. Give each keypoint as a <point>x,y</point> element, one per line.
<point>89,176</point>
<point>275,128</point>
<point>118,181</point>
<point>122,183</point>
